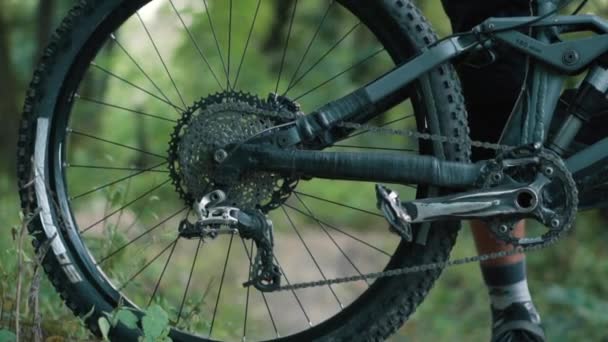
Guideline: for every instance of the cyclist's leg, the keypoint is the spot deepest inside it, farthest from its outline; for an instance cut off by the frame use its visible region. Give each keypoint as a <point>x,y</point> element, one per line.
<point>488,113</point>
<point>486,243</point>
<point>489,110</point>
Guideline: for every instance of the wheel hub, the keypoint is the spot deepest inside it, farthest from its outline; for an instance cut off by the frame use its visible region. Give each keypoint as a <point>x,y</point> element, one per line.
<point>199,143</point>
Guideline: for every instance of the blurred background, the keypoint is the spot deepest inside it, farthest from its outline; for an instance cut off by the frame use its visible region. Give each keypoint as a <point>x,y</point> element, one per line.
<point>568,280</point>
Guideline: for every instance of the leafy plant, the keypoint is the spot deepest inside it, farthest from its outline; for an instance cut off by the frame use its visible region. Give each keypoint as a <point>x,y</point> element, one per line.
<point>7,336</point>
<point>153,325</point>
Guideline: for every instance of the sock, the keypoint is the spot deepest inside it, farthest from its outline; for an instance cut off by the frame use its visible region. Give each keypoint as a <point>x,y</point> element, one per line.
<point>507,284</point>
<point>503,296</point>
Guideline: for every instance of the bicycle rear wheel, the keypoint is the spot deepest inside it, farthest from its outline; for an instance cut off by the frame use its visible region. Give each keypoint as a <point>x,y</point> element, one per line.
<point>111,205</point>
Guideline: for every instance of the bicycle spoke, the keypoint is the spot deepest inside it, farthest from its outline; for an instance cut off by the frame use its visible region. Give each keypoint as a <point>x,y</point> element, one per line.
<point>138,112</point>
<point>312,40</point>
<point>297,298</point>
<point>217,43</point>
<point>330,237</point>
<point>248,289</point>
<point>311,255</point>
<point>122,79</point>
<point>339,204</point>
<point>219,293</point>
<point>148,231</point>
<point>293,292</point>
<point>162,274</point>
<point>97,167</point>
<point>336,76</point>
<point>161,59</point>
<point>293,15</point>
<point>167,100</point>
<point>326,224</point>
<point>229,44</point>
<point>147,265</point>
<point>126,205</point>
<point>73,131</point>
<point>274,325</point>
<point>194,42</point>
<point>101,187</point>
<point>255,16</point>
<point>332,48</point>
<point>181,307</point>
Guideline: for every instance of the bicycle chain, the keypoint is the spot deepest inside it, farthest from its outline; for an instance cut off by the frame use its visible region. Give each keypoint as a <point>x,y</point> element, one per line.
<point>425,136</point>
<point>435,265</point>
<point>448,263</point>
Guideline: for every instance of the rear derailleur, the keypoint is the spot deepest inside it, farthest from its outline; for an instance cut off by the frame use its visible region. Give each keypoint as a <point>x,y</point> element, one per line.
<point>214,220</point>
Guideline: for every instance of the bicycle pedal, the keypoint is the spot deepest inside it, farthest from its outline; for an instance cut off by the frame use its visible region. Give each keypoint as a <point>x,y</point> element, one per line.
<point>397,217</point>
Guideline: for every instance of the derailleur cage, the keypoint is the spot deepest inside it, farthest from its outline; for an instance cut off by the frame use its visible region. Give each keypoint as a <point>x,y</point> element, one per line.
<point>214,220</point>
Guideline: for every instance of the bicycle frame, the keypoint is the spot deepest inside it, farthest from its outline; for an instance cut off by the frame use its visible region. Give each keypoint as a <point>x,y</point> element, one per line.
<point>553,61</point>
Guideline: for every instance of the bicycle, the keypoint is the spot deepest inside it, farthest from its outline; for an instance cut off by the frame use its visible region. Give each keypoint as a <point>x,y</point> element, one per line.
<point>236,160</point>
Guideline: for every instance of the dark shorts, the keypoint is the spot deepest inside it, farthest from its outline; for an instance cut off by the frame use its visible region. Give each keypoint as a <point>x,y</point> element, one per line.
<point>490,92</point>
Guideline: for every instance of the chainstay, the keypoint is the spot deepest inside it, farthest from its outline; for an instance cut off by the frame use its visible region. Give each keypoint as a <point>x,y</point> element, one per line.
<point>441,264</point>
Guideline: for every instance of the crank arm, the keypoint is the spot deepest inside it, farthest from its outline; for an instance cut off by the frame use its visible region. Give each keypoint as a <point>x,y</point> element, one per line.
<point>520,201</point>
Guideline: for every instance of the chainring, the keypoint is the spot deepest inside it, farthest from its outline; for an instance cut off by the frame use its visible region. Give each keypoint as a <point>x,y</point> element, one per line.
<point>213,123</point>
<point>558,199</point>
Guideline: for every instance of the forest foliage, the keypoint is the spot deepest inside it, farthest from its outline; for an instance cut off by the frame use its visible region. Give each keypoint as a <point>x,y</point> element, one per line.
<point>569,279</point>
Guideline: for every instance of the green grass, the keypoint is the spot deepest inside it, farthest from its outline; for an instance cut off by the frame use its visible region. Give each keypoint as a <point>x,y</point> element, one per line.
<point>567,282</point>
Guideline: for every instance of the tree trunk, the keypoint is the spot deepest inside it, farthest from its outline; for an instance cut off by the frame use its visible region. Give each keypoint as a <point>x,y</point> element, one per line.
<point>278,31</point>
<point>9,108</point>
